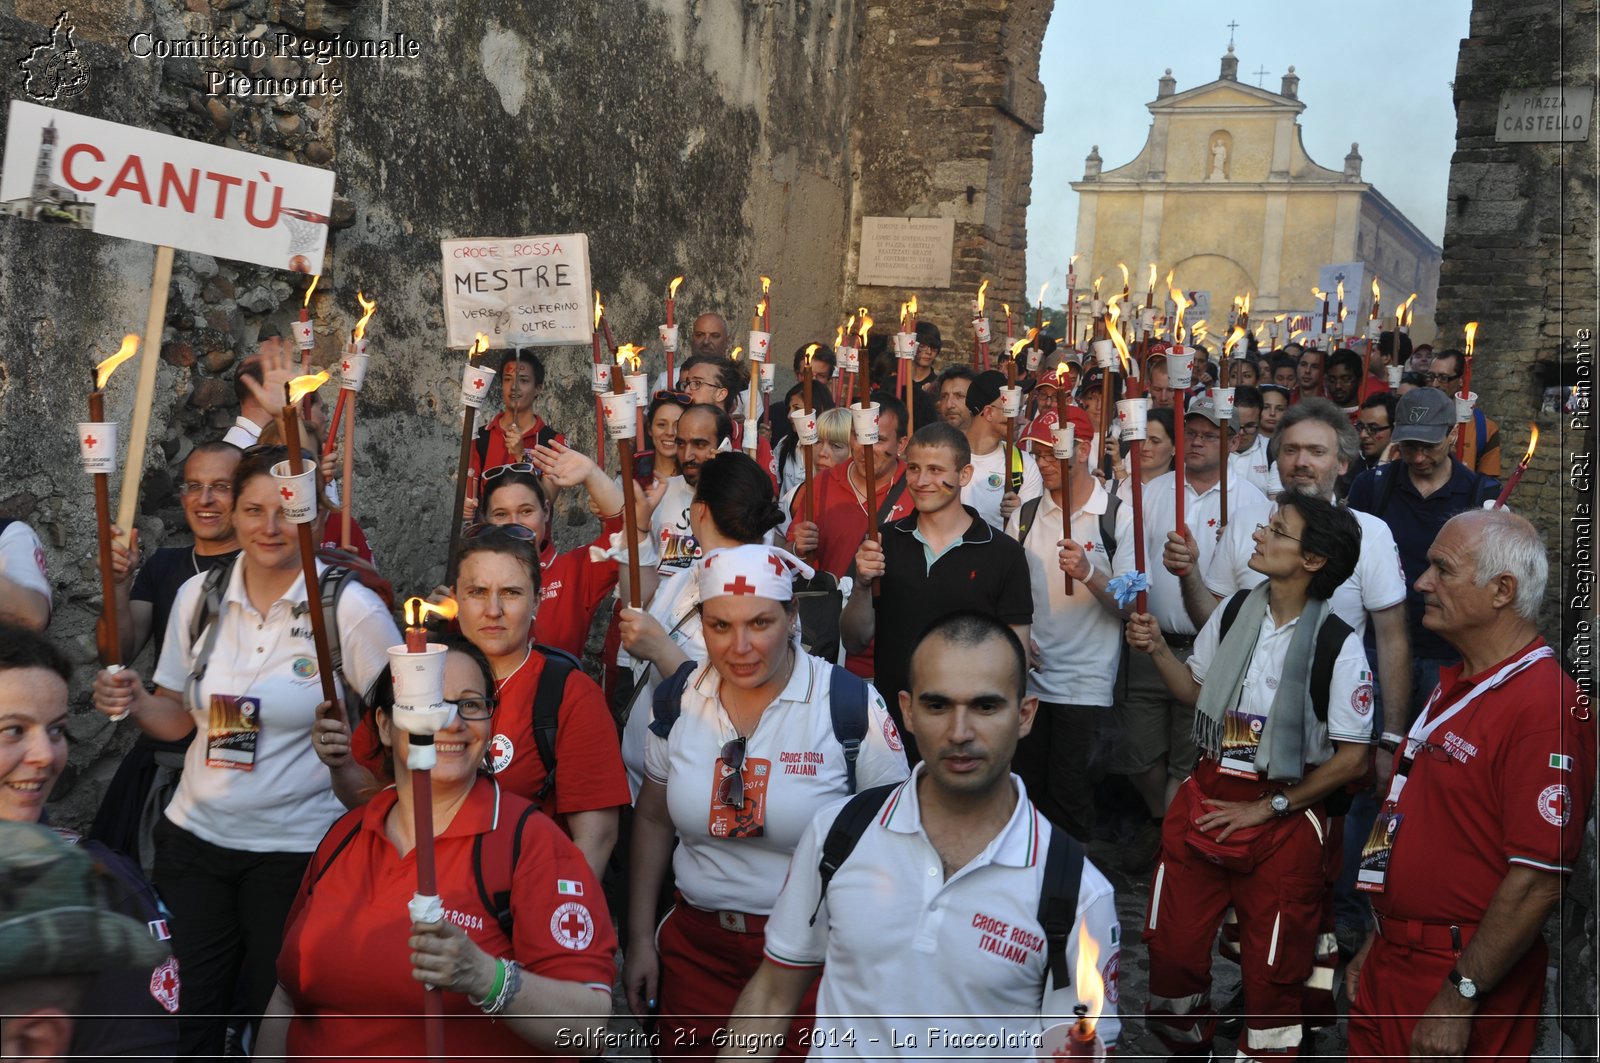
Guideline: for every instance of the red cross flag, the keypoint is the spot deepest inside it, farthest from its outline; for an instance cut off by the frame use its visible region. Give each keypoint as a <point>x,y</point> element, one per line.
<point>755,570</point>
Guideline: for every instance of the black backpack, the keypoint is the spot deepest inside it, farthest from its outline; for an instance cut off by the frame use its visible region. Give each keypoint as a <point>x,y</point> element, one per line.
<point>1108,522</point>
<point>558,665</point>
<point>847,696</point>
<point>1330,640</point>
<point>1058,897</point>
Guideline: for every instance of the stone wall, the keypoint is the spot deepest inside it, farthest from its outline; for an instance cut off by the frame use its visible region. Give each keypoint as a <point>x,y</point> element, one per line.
<point>1519,258</point>
<point>710,138</point>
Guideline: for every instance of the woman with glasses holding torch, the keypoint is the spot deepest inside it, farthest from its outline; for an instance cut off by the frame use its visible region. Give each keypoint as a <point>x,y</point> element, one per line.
<point>743,750</point>
<point>524,953</point>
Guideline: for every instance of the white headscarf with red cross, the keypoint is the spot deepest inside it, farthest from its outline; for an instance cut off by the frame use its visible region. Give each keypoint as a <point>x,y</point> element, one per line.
<point>752,569</point>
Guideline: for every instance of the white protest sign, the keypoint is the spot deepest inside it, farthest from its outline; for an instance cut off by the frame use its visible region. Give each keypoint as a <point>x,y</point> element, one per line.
<point>522,291</point>
<point>120,180</point>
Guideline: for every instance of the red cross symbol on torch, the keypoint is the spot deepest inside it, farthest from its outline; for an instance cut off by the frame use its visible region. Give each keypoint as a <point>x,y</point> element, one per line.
<point>478,383</point>
<point>345,365</point>
<point>286,493</point>
<point>89,441</point>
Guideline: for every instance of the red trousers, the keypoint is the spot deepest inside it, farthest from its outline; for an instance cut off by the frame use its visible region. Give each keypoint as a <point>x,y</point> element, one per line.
<point>1275,882</point>
<point>704,968</point>
<point>1398,983</point>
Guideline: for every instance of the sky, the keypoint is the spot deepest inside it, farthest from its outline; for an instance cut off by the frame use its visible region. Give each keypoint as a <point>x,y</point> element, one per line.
<point>1371,71</point>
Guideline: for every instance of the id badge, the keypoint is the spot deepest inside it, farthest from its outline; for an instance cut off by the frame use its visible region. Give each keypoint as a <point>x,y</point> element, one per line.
<point>749,821</point>
<point>1374,870</point>
<point>1241,738</point>
<point>234,731</point>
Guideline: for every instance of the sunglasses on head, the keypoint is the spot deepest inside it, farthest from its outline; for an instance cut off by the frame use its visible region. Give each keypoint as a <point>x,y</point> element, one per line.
<point>515,531</point>
<point>730,791</point>
<point>682,398</point>
<point>518,466</point>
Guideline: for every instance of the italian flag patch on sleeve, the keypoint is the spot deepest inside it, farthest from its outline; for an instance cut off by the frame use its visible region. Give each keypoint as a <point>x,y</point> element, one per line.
<point>1560,762</point>
<point>569,887</point>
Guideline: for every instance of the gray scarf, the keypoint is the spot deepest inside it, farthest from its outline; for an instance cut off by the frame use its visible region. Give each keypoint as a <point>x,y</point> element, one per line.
<point>1282,753</point>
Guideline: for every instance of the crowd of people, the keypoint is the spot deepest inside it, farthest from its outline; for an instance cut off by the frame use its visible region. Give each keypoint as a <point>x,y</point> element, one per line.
<point>886,714</point>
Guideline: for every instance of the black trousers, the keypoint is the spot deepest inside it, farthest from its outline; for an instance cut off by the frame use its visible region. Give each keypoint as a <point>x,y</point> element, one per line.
<point>1063,758</point>
<point>228,911</point>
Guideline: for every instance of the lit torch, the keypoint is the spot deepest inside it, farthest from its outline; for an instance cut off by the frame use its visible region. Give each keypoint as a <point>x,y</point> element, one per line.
<point>1318,293</point>
<point>97,444</point>
<point>599,383</point>
<point>353,371</point>
<point>808,436</point>
<point>1084,1042</point>
<point>627,357</point>
<point>1374,327</point>
<point>1471,332</point>
<point>1181,301</point>
<point>303,515</point>
<point>302,328</point>
<point>1522,467</point>
<point>864,404</point>
<point>669,331</point>
<point>474,383</point>
<point>980,330</point>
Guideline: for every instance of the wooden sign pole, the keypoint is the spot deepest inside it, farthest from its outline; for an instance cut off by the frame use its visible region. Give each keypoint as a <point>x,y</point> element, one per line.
<point>144,397</point>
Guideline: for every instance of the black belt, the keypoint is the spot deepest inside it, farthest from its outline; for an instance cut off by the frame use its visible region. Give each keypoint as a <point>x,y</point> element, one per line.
<point>1178,642</point>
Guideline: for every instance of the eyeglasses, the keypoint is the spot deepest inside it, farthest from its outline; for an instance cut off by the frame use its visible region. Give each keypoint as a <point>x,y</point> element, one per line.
<point>1440,378</point>
<point>1275,531</point>
<point>1202,437</point>
<point>682,398</point>
<point>1413,750</point>
<point>516,466</point>
<point>515,531</point>
<point>1370,428</point>
<point>473,708</point>
<point>195,487</point>
<point>730,791</point>
<point>692,385</point>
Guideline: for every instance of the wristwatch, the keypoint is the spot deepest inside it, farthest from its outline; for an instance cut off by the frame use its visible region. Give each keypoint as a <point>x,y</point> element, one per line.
<point>1280,803</point>
<point>1464,985</point>
<point>1390,742</point>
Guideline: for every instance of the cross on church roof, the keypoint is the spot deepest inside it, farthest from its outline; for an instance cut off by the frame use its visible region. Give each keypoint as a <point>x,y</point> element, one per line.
<point>1231,27</point>
<point>1261,75</point>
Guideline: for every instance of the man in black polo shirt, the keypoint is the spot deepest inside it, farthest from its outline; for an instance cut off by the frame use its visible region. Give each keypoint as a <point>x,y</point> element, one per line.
<point>148,775</point>
<point>941,559</point>
<point>1415,495</point>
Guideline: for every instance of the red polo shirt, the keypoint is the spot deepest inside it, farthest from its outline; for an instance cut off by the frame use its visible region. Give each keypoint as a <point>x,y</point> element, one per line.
<point>491,441</point>
<point>571,589</point>
<point>589,772</point>
<point>346,962</point>
<point>1510,782</point>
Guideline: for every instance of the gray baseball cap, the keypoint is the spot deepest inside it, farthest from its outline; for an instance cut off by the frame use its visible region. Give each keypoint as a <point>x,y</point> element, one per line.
<point>1424,415</point>
<point>56,917</point>
<point>1203,405</point>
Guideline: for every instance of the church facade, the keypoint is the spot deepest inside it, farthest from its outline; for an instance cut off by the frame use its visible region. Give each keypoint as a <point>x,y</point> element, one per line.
<point>1224,193</point>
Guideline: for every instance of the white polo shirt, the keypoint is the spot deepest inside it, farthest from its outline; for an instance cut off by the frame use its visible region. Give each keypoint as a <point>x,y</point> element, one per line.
<point>1202,513</point>
<point>1076,634</point>
<point>793,767</point>
<point>285,803</point>
<point>1252,465</point>
<point>1349,691</point>
<point>988,484</point>
<point>958,964</point>
<point>1377,584</point>
<point>22,559</point>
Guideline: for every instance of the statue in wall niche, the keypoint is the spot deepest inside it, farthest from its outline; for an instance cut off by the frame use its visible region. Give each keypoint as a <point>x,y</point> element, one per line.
<point>1219,161</point>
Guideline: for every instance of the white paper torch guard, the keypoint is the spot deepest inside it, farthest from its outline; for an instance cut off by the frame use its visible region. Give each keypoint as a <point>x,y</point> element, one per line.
<point>298,493</point>
<point>1464,405</point>
<point>353,369</point>
<point>1180,366</point>
<point>1132,417</point>
<point>303,336</point>
<point>600,377</point>
<point>805,426</point>
<point>849,359</point>
<point>475,384</point>
<point>1105,353</point>
<point>760,345</point>
<point>669,338</point>
<point>905,345</point>
<point>97,446</point>
<point>1062,439</point>
<point>865,422</point>
<point>621,414</point>
<point>980,326</point>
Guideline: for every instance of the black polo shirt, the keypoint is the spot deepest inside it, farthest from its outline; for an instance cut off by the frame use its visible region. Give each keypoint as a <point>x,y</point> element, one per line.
<point>985,571</point>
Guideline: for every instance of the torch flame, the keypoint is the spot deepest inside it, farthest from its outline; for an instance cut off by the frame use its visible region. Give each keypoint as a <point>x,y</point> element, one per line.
<point>1022,344</point>
<point>672,289</point>
<point>1279,319</point>
<point>1340,291</point>
<point>811,351</point>
<point>419,609</point>
<point>1091,987</point>
<point>1182,302</point>
<point>1152,283</point>
<point>315,277</point>
<point>838,335</point>
<point>1061,374</point>
<point>103,371</point>
<point>1123,266</point>
<point>912,306</point>
<point>1247,302</point>
<point>766,286</point>
<point>629,354</point>
<point>1406,306</point>
<point>866,326</point>
<point>737,351</point>
<point>1472,334</point>
<point>761,307</point>
<point>1233,340</point>
<point>370,307</point>
<point>1377,293</point>
<point>599,309</point>
<point>981,289</point>
<point>1097,282</point>
<point>1533,441</point>
<point>1318,294</point>
<point>850,326</point>
<point>301,386</point>
<point>1075,256</point>
<point>480,343</point>
<point>1043,287</point>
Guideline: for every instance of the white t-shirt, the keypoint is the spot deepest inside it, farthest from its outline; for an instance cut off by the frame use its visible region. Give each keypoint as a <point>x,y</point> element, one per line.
<point>1077,635</point>
<point>988,484</point>
<point>793,766</point>
<point>1252,465</point>
<point>285,802</point>
<point>670,525</point>
<point>676,606</point>
<point>906,951</point>
<point>1202,514</point>
<point>1377,584</point>
<point>22,559</point>
<point>1349,690</point>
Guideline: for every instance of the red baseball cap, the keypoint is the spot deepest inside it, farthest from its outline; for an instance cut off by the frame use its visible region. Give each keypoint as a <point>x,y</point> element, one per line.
<point>1042,428</point>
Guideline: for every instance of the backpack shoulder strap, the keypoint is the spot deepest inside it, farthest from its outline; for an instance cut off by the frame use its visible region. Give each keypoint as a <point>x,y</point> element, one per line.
<point>896,489</point>
<point>493,867</point>
<point>1058,901</point>
<point>1108,526</point>
<point>1229,612</point>
<point>847,702</point>
<point>1016,469</point>
<point>848,827</point>
<point>1025,517</point>
<point>1389,473</point>
<point>667,700</point>
<point>318,870</point>
<point>558,665</point>
<point>1480,429</point>
<point>202,632</point>
<point>1330,640</point>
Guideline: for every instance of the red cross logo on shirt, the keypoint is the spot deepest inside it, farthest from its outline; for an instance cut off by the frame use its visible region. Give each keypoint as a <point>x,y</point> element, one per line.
<point>287,494</point>
<point>164,985</point>
<point>1212,523</point>
<point>90,441</point>
<point>572,925</point>
<point>739,586</point>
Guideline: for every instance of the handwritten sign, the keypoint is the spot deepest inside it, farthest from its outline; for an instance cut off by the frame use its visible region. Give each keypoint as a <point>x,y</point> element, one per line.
<point>86,173</point>
<point>906,252</point>
<point>522,291</point>
<point>1539,116</point>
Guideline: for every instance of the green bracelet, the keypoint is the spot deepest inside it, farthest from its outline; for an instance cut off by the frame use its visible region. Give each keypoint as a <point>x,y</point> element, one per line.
<point>494,990</point>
